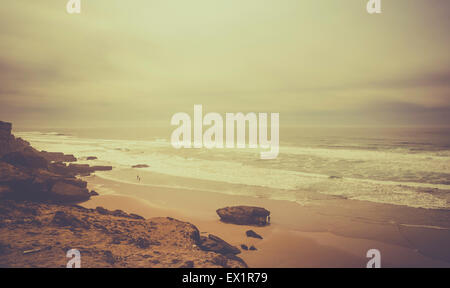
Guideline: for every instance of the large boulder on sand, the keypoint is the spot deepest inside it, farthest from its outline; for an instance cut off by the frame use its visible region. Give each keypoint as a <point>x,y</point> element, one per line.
<point>244,215</point>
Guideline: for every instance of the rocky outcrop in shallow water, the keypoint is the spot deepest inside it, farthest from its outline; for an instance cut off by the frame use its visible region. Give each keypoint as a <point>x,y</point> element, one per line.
<point>85,169</point>
<point>140,166</point>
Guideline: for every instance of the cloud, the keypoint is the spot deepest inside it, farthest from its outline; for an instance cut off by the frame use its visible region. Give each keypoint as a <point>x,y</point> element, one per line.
<point>411,114</point>
<point>440,78</point>
<point>149,59</point>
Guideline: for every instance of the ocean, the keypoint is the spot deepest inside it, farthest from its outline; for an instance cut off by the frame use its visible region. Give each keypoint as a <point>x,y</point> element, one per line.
<point>398,166</point>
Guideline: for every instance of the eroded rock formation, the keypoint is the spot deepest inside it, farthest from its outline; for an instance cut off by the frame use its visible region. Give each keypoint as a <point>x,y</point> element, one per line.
<point>28,174</point>
<point>39,235</point>
<point>37,231</point>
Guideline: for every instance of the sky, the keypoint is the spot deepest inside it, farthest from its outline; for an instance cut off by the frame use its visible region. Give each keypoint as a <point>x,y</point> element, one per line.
<point>316,62</point>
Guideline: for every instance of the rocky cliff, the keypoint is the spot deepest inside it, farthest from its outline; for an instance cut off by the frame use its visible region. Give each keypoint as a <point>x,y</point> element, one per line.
<point>29,174</point>
<point>40,235</point>
<point>40,222</point>
<point>9,143</point>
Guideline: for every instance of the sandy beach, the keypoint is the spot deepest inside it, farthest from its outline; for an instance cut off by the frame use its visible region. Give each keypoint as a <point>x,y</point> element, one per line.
<point>337,233</point>
<point>317,220</point>
<point>143,134</point>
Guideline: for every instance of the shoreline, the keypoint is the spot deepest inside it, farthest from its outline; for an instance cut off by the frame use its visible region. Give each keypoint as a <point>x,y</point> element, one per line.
<point>299,236</point>
<point>315,230</point>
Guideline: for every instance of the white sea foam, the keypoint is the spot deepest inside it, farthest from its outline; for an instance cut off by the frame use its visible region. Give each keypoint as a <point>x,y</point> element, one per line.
<point>389,176</point>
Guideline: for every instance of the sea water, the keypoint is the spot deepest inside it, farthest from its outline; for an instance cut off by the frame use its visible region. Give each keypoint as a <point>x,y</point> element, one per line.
<point>399,166</point>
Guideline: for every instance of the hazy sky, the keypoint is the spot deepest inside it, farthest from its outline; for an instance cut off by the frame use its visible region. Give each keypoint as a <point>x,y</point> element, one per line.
<point>141,61</point>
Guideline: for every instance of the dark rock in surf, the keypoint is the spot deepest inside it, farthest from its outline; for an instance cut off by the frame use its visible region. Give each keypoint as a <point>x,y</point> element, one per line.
<point>140,166</point>
<point>335,177</point>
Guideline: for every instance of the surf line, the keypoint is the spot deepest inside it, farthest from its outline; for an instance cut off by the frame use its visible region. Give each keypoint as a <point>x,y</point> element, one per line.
<point>213,136</point>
